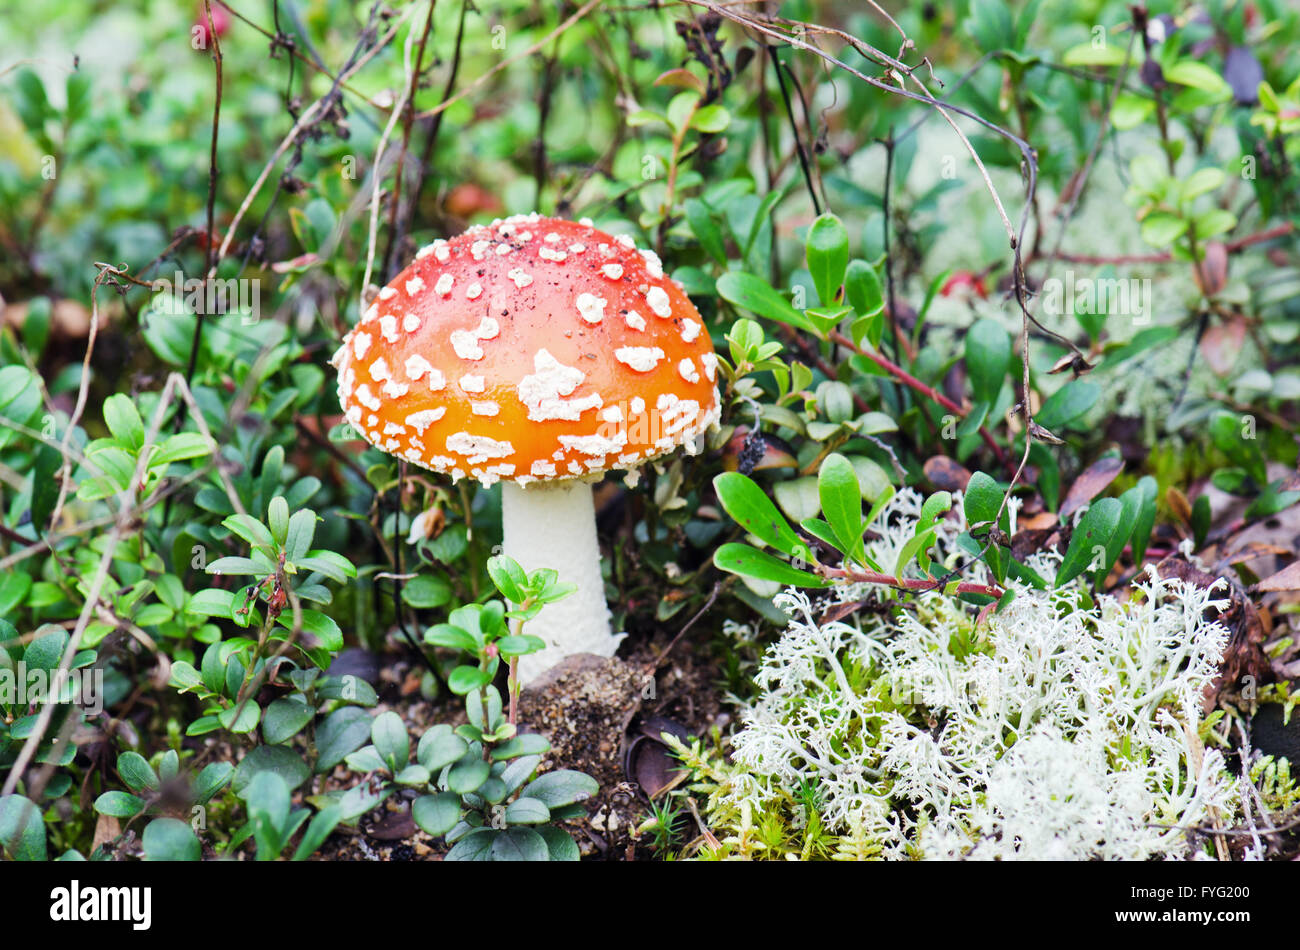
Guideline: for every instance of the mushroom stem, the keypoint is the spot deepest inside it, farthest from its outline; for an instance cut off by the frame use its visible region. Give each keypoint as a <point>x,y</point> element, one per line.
<point>553,524</point>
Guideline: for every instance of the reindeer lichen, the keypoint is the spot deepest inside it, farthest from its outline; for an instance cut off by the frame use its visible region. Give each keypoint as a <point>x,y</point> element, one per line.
<point>1061,727</point>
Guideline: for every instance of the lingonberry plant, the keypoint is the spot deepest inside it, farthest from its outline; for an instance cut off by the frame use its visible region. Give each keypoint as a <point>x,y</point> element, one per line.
<point>891,385</point>
<point>477,784</point>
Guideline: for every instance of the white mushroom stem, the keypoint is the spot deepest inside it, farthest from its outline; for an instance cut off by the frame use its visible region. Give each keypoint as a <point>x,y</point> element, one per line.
<point>553,524</point>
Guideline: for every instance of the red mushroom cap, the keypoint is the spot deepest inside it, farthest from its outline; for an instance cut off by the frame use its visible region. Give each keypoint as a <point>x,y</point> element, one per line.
<point>534,349</point>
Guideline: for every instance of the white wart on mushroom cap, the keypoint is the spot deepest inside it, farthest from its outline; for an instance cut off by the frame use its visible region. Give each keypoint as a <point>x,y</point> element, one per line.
<point>534,349</point>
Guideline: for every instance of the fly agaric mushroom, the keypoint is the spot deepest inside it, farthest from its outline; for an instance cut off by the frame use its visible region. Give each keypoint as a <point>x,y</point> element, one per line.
<point>539,353</point>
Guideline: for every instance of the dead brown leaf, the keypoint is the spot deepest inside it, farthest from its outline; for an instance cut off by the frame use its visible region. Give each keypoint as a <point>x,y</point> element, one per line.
<point>1286,579</point>
<point>1212,272</point>
<point>946,474</point>
<point>107,828</point>
<point>1092,481</point>
<point>1221,345</point>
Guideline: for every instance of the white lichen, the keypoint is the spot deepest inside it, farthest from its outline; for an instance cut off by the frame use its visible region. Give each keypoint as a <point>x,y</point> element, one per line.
<point>1058,728</point>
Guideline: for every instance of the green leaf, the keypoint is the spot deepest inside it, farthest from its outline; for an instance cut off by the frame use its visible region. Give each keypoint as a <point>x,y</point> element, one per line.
<point>452,637</point>
<point>181,446</point>
<point>32,104</point>
<point>979,412</point>
<point>250,529</point>
<point>919,545</point>
<point>645,117</point>
<point>214,667</point>
<point>16,381</point>
<point>212,602</point>
<point>1068,403</point>
<point>123,420</point>
<point>343,732</point>
<point>1086,54</point>
<point>827,250</point>
<point>77,96</point>
<point>137,773</point>
<point>1146,518</point>
<point>468,774</point>
<point>14,586</point>
<point>749,506</point>
<point>361,799</point>
<point>560,844</point>
<point>277,519</point>
<point>1130,505</point>
<point>366,759</point>
<point>705,228</point>
<point>45,487</point>
<point>241,718</point>
<point>1235,437</point>
<point>519,771</point>
<point>235,566</point>
<point>439,747</point>
<point>267,797</point>
<point>22,832</point>
<point>436,814</point>
<point>863,291</point>
<point>1201,181</point>
<point>320,625</point>
<point>1162,228</point>
<point>475,846</point>
<point>322,823</point>
<point>750,562</point>
<point>527,811</point>
<point>170,839</point>
<point>916,546</point>
<point>464,679</point>
<point>841,501</point>
<point>1130,111</point>
<point>203,725</point>
<point>872,478</point>
<point>1200,520</point>
<point>822,531</point>
<point>334,566</point>
<point>1213,222</point>
<point>300,533</point>
<point>185,676</point>
<point>211,780</point>
<point>46,650</point>
<point>563,787</point>
<point>1049,473</point>
<point>169,766</point>
<point>427,590</point>
<point>991,25</point>
<point>988,356</point>
<point>933,507</point>
<point>348,688</point>
<point>982,499</point>
<point>117,805</point>
<point>520,645</point>
<point>524,744</point>
<point>508,577</point>
<point>520,844</point>
<point>388,733</point>
<point>1095,530</point>
<point>757,296</point>
<point>1189,72</point>
<point>799,497</point>
<point>711,119</point>
<point>681,108</point>
<point>284,719</point>
<point>476,713</point>
<point>412,775</point>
